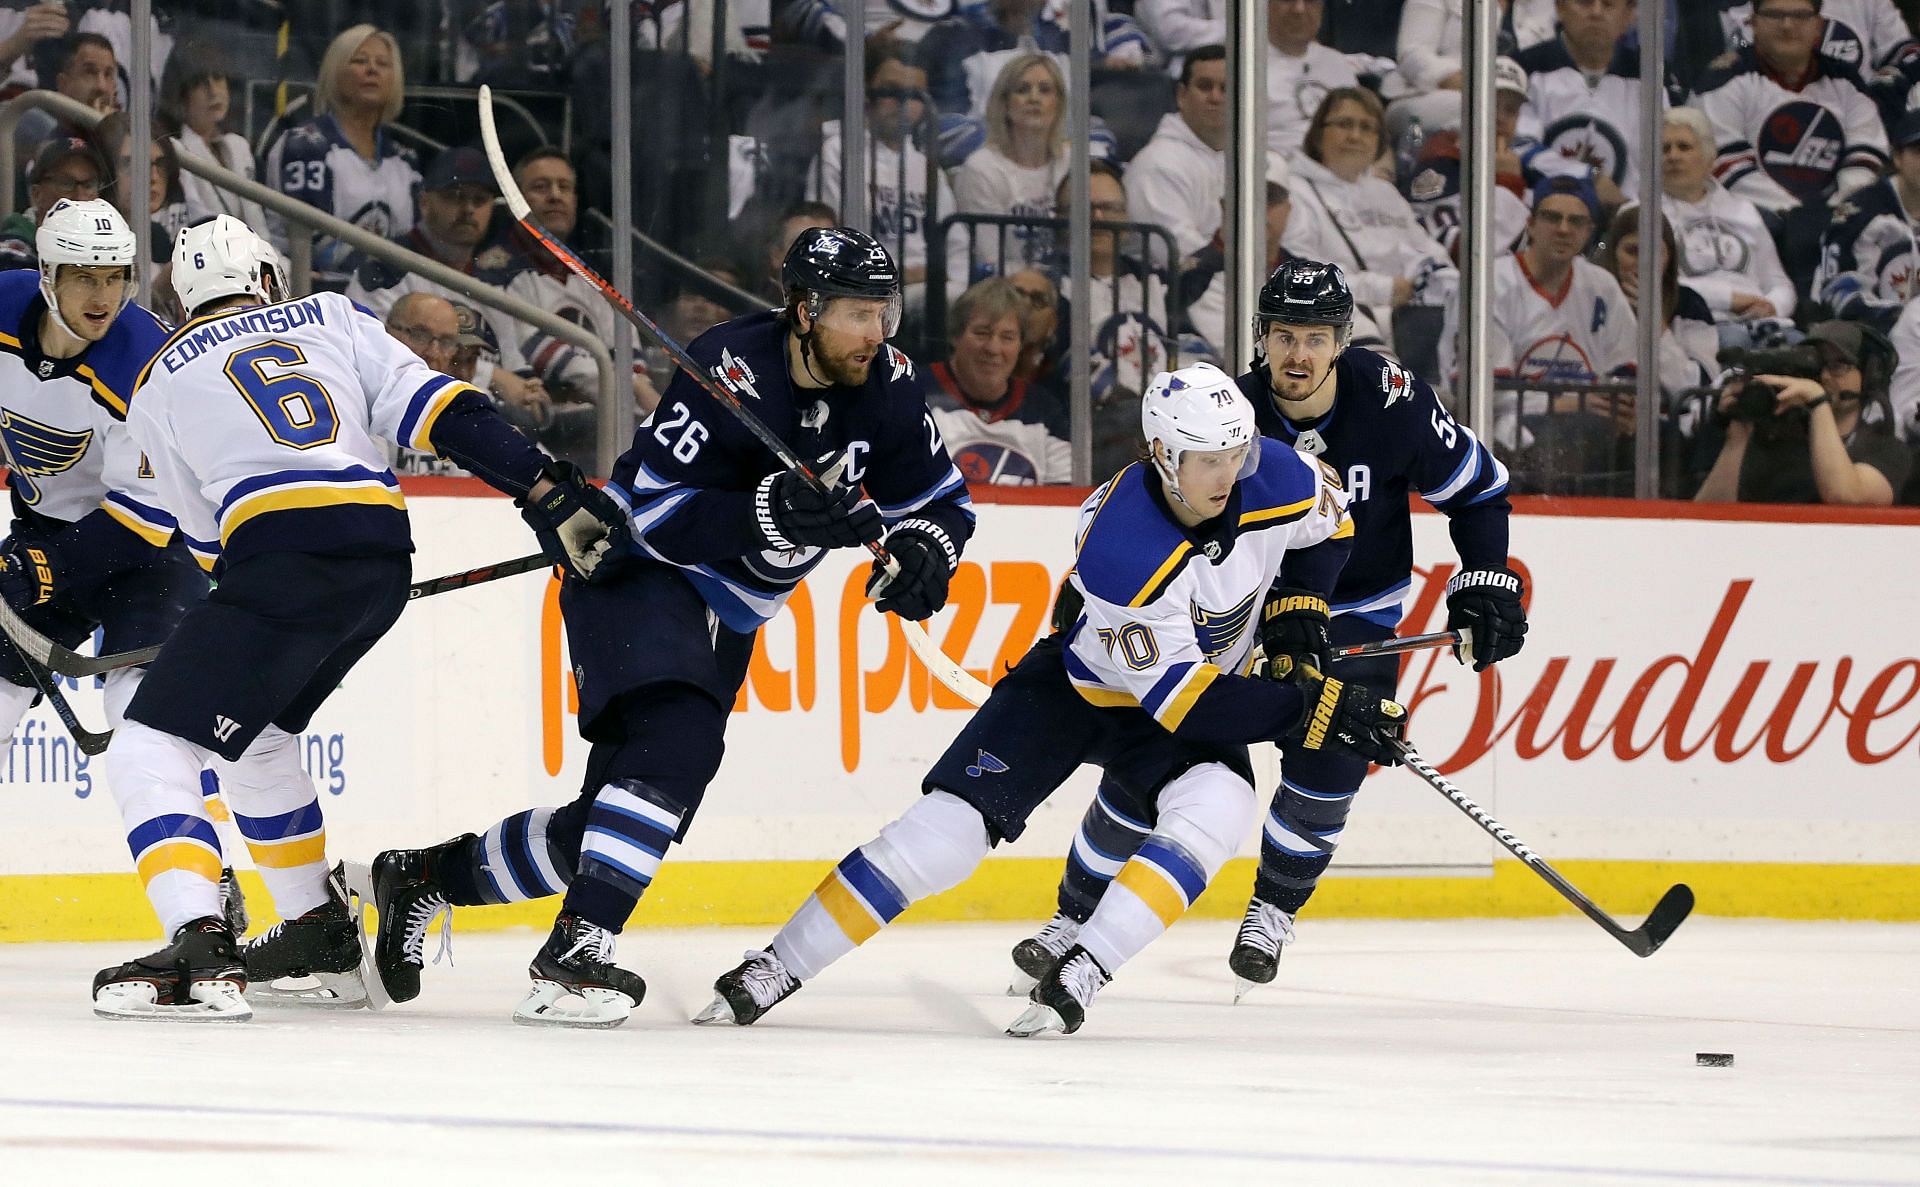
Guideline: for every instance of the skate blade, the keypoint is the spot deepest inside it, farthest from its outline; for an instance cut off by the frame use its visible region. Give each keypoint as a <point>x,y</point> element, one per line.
<point>355,879</point>
<point>1242,987</point>
<point>718,1010</point>
<point>138,1001</point>
<point>322,991</point>
<point>1036,1019</point>
<point>1022,984</point>
<point>550,1003</point>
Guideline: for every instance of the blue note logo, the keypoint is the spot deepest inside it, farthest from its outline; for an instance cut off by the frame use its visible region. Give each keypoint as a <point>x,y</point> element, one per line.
<point>1217,631</point>
<point>986,764</point>
<point>39,450</point>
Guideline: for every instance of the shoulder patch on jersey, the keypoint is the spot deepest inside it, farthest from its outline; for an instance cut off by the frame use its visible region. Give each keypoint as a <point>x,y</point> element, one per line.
<point>901,364</point>
<point>1395,381</point>
<point>734,374</point>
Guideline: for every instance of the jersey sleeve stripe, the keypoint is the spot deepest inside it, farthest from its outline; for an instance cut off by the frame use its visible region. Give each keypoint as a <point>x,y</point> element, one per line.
<point>949,482</point>
<point>1163,687</point>
<point>1180,703</point>
<point>205,552</point>
<point>155,527</point>
<point>425,407</point>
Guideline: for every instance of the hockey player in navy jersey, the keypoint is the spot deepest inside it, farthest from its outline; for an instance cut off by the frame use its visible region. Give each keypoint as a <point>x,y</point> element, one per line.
<point>260,418</point>
<point>1149,680</point>
<point>1385,433</point>
<point>725,533</point>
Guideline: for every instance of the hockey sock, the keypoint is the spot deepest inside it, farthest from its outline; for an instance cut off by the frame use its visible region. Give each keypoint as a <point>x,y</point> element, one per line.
<point>514,862</point>
<point>277,811</point>
<point>120,685</point>
<point>1106,839</point>
<point>628,830</point>
<point>155,779</point>
<point>934,845</point>
<point>1296,844</point>
<point>1203,814</point>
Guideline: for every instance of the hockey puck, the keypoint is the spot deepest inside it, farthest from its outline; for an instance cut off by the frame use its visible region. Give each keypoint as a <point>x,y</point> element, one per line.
<point>1713,1059</point>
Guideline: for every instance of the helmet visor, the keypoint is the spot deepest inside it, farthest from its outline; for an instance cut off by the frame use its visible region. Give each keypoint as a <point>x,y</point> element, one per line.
<point>858,315</point>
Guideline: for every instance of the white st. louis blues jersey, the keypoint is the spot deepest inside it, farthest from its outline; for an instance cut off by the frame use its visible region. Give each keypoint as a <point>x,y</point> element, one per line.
<point>1169,612</point>
<point>262,424</point>
<point>62,418</point>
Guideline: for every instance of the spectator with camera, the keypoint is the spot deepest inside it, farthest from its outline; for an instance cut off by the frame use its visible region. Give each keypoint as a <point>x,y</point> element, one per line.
<point>1809,423</point>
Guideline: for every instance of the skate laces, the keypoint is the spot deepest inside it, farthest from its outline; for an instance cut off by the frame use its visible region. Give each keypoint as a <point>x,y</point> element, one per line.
<point>595,942</point>
<point>766,977</point>
<point>420,913</point>
<point>1058,935</point>
<point>1083,977</point>
<point>1266,927</point>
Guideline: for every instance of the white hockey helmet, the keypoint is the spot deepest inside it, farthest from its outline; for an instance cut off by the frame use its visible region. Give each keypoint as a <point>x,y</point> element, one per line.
<point>90,233</point>
<point>222,257</point>
<point>1196,409</point>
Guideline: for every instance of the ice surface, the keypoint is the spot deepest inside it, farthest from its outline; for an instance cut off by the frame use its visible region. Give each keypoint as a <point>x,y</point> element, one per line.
<point>1388,1052</point>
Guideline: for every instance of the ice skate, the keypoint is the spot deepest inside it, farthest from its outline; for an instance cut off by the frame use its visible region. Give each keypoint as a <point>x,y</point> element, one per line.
<point>1256,950</point>
<point>310,961</point>
<point>196,978</point>
<point>1033,956</point>
<point>576,983</point>
<point>1061,998</point>
<point>408,900</point>
<point>744,995</point>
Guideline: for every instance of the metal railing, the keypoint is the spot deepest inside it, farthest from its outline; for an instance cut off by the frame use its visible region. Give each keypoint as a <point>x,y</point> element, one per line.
<point>503,104</point>
<point>1576,446</point>
<point>738,299</point>
<point>612,387</point>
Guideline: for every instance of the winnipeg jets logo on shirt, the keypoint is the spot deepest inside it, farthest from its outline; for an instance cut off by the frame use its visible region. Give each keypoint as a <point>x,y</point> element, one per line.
<point>1799,146</point>
<point>901,364</point>
<point>1397,384</point>
<point>736,375</point>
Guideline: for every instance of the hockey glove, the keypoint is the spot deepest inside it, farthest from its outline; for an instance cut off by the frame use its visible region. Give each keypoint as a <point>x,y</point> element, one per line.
<point>1067,605</point>
<point>578,524</point>
<point>925,560</point>
<point>1485,603</point>
<point>29,571</point>
<point>1293,622</point>
<point>792,512</point>
<point>1343,716</point>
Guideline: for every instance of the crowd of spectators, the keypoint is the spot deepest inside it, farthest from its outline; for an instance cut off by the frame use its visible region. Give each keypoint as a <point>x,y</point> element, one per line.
<point>1790,196</point>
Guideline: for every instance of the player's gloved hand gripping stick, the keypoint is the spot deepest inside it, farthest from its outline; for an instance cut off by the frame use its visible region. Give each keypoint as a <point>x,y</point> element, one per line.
<point>944,669</point>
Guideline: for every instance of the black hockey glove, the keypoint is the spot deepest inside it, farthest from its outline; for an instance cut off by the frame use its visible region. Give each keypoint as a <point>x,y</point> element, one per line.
<point>1293,622</point>
<point>792,512</point>
<point>1343,716</point>
<point>918,587</point>
<point>578,524</point>
<point>1067,605</point>
<point>29,571</point>
<point>1486,604</point>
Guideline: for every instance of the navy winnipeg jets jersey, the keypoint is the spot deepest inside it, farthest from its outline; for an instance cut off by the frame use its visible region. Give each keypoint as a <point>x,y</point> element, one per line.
<point>63,419</point>
<point>689,477</point>
<point>1387,434</point>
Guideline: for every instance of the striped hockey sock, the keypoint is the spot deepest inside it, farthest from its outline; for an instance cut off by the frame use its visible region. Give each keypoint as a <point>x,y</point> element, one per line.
<point>1107,837</point>
<point>1152,890</point>
<point>848,908</point>
<point>290,851</point>
<point>517,862</point>
<point>1297,841</point>
<point>628,830</point>
<point>178,857</point>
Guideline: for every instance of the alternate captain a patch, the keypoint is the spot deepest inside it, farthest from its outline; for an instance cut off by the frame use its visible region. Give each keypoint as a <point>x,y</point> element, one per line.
<point>39,450</point>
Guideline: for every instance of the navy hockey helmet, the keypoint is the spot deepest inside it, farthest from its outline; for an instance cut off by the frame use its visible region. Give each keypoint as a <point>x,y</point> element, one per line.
<point>829,262</point>
<point>1306,293</point>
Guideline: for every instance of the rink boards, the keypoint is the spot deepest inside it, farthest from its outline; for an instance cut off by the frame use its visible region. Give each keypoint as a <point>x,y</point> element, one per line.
<point>1729,698</point>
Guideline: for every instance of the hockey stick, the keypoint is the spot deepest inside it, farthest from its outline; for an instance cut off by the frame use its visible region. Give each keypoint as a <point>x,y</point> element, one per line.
<point>1667,914</point>
<point>943,667</point>
<point>88,741</point>
<point>485,573</point>
<point>1396,646</point>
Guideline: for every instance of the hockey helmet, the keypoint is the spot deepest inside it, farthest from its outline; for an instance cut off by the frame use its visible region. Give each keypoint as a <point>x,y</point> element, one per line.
<point>829,262</point>
<point>1306,293</point>
<point>89,233</point>
<point>1196,409</point>
<point>222,257</point>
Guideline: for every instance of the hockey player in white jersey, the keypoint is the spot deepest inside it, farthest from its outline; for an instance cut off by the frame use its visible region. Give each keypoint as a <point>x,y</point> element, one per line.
<point>261,417</point>
<point>1149,681</point>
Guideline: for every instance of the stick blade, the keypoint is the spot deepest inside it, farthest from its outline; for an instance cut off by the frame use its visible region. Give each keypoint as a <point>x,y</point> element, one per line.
<point>1667,915</point>
<point>490,140</point>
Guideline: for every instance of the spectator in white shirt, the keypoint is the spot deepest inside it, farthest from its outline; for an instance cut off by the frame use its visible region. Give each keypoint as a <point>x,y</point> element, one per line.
<point>1300,70</point>
<point>1177,179</point>
<point>195,99</point>
<point>1023,161</point>
<point>1726,254</point>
